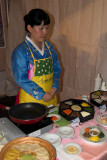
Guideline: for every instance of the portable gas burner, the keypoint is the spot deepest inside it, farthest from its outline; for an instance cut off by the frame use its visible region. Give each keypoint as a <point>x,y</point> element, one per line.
<point>12,130</point>
<point>38,128</point>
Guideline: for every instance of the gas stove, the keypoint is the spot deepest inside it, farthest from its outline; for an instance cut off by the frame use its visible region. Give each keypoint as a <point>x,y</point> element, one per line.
<point>12,130</point>
<point>38,128</point>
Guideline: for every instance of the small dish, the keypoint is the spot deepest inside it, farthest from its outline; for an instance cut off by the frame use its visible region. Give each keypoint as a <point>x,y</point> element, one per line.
<point>65,131</point>
<point>53,138</point>
<point>98,119</point>
<point>103,118</point>
<point>94,132</point>
<point>72,148</point>
<point>95,140</point>
<point>54,117</point>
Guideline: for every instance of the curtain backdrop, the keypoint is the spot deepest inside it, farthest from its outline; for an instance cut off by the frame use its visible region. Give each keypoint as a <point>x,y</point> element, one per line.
<point>78,33</point>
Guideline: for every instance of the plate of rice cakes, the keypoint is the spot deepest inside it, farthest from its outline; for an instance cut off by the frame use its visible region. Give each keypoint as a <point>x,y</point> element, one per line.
<point>25,148</point>
<point>73,108</point>
<point>93,134</point>
<point>98,98</point>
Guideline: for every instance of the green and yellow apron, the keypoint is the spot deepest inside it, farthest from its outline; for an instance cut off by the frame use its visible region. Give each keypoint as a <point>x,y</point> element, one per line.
<point>43,77</point>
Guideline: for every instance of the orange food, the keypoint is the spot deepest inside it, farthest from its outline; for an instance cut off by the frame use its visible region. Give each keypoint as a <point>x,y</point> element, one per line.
<point>87,130</point>
<point>67,111</point>
<point>54,118</point>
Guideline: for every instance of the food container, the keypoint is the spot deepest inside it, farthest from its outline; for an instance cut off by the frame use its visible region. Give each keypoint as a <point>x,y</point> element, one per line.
<point>75,108</point>
<point>94,132</point>
<point>103,118</point>
<point>27,143</point>
<point>96,138</point>
<point>72,148</point>
<point>98,98</point>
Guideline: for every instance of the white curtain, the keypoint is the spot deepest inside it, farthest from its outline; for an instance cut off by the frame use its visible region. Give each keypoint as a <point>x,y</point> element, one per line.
<point>79,36</point>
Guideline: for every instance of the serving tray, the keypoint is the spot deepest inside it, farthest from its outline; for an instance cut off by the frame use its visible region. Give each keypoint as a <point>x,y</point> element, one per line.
<point>98,98</point>
<point>73,108</point>
<point>27,141</point>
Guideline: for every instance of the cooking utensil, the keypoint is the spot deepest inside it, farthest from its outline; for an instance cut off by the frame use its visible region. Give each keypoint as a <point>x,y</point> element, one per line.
<point>26,113</point>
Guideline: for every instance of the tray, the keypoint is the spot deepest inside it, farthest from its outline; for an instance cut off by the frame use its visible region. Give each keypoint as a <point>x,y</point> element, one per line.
<point>98,98</point>
<point>73,108</point>
<point>25,141</point>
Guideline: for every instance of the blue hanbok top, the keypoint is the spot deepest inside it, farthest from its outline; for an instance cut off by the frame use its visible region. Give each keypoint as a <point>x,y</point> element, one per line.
<point>22,63</point>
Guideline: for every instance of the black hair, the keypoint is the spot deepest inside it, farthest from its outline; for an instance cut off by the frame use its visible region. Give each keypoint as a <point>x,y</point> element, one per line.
<point>35,17</point>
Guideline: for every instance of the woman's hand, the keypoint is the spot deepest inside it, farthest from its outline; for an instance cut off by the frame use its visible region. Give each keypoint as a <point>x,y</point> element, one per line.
<point>47,97</point>
<point>52,91</point>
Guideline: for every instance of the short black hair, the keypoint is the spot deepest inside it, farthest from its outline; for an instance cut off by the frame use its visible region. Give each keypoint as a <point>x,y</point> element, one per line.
<point>35,17</point>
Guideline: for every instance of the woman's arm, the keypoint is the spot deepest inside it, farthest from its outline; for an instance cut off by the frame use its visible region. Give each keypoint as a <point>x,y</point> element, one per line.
<point>57,69</point>
<point>20,71</point>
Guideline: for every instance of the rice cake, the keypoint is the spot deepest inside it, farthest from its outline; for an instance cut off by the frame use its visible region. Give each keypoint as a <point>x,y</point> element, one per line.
<point>85,114</point>
<point>76,108</point>
<point>68,102</point>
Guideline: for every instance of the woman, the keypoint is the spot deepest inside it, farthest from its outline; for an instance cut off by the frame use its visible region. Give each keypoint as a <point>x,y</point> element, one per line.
<point>35,63</point>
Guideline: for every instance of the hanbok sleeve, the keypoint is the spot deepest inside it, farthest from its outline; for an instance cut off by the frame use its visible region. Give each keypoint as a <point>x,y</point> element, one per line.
<point>20,70</point>
<point>57,69</point>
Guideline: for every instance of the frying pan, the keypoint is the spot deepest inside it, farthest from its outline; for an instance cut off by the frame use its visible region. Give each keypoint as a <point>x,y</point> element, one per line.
<point>27,113</point>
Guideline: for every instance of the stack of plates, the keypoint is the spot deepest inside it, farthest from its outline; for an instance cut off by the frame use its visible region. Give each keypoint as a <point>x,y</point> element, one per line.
<point>65,132</point>
<point>53,138</point>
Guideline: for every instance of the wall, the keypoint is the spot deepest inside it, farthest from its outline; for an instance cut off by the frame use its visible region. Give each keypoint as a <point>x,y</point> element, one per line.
<point>3,49</point>
<point>79,36</point>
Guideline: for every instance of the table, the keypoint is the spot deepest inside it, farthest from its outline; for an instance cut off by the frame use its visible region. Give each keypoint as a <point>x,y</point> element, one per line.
<point>89,151</point>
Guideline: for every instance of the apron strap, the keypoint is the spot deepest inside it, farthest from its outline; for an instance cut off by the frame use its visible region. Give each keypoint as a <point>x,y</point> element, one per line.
<point>49,49</point>
<point>30,50</point>
<point>32,53</point>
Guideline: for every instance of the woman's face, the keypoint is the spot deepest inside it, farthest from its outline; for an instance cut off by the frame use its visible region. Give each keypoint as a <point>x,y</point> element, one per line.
<point>38,33</point>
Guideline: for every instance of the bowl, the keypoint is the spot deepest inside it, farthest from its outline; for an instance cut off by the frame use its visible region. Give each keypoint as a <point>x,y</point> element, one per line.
<point>94,132</point>
<point>103,118</point>
<point>53,138</point>
<point>72,148</point>
<point>24,141</point>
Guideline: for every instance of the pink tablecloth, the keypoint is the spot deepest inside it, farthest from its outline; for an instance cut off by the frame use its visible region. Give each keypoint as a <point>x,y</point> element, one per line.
<point>89,151</point>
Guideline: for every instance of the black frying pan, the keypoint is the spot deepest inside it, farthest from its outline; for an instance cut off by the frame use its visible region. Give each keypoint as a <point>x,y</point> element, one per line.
<point>27,113</point>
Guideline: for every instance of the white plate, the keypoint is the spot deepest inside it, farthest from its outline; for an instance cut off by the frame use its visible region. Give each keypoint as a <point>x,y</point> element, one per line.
<point>101,141</point>
<point>65,131</point>
<point>75,145</point>
<point>56,115</point>
<point>53,138</point>
<point>97,118</point>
